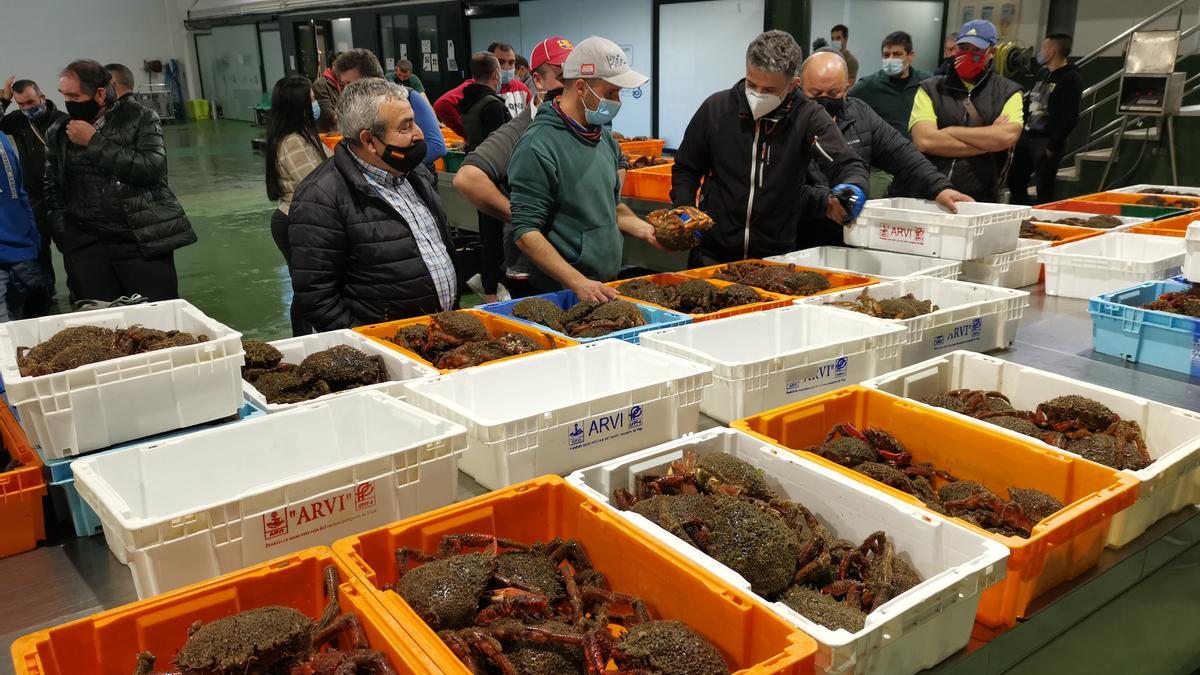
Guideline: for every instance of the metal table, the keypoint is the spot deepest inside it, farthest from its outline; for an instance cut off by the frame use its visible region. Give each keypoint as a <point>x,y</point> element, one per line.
<point>1137,611</point>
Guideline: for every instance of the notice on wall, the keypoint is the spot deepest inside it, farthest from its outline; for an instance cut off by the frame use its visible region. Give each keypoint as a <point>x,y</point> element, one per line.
<point>425,62</point>
<point>426,47</point>
<point>449,50</point>
<point>451,64</point>
<point>292,60</point>
<point>404,51</point>
<point>433,62</point>
<point>390,63</point>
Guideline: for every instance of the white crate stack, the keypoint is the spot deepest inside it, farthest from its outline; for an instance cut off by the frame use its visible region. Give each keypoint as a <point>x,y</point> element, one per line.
<point>1110,262</point>
<point>400,368</point>
<point>883,264</point>
<point>923,227</point>
<point>968,316</point>
<point>189,508</point>
<point>910,632</point>
<point>1014,269</point>
<point>1191,259</point>
<point>768,359</point>
<point>1172,434</point>
<point>102,404</point>
<point>561,410</point>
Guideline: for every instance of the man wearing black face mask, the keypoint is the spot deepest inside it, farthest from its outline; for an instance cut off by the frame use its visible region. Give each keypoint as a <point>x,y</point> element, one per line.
<point>29,126</point>
<point>370,241</point>
<point>113,216</point>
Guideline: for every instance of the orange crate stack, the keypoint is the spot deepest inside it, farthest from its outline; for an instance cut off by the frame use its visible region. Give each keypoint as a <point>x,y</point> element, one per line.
<point>838,281</point>
<point>751,638</point>
<point>652,183</point>
<point>1167,227</point>
<point>649,148</point>
<point>1135,198</point>
<point>21,490</point>
<point>110,641</point>
<point>1069,233</point>
<point>772,301</point>
<point>1061,547</point>
<point>496,327</point>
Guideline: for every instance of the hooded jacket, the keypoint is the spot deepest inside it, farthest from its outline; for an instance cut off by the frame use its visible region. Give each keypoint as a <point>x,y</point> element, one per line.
<point>327,89</point>
<point>752,172</point>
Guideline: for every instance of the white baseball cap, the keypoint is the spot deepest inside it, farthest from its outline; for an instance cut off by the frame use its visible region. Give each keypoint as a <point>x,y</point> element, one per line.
<point>602,59</point>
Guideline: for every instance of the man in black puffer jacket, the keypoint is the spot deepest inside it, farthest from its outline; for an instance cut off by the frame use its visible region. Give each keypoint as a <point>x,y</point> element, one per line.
<point>370,241</point>
<point>113,216</point>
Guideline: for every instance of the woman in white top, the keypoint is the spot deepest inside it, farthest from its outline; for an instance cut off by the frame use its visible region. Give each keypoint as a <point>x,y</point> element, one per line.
<point>293,150</point>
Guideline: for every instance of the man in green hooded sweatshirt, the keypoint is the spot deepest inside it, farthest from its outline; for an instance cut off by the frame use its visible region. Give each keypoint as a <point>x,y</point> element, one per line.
<point>565,197</point>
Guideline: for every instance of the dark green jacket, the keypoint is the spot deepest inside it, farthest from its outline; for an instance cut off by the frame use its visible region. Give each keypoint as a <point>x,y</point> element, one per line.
<point>890,97</point>
<point>123,170</point>
<point>566,188</point>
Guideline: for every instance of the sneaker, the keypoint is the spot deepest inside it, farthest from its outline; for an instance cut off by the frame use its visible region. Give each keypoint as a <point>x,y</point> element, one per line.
<point>475,283</point>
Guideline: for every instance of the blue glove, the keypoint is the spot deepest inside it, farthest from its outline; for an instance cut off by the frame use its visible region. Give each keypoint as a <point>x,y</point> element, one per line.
<point>853,199</point>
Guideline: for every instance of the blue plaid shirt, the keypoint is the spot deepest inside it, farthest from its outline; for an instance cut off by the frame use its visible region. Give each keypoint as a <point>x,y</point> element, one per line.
<point>401,196</point>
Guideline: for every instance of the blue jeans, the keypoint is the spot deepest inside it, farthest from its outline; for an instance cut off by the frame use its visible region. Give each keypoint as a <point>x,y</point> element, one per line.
<point>17,280</point>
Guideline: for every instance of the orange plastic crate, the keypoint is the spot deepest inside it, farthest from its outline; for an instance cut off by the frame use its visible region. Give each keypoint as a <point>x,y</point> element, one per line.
<point>1114,209</point>
<point>1135,198</point>
<point>651,148</point>
<point>21,490</point>
<point>1062,547</point>
<point>774,299</point>
<point>652,183</point>
<point>108,643</point>
<point>331,140</point>
<point>837,281</point>
<point>752,638</point>
<point>1167,227</point>
<point>496,326</point>
<point>1068,233</point>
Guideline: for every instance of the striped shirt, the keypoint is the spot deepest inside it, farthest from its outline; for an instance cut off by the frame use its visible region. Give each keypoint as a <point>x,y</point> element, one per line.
<point>401,196</point>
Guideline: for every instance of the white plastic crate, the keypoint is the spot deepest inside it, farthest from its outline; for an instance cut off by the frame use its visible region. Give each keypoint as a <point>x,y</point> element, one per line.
<point>1140,188</point>
<point>910,632</point>
<point>189,508</point>
<point>1015,269</point>
<point>103,404</point>
<point>924,228</point>
<point>1110,262</point>
<point>1191,260</point>
<point>565,409</point>
<point>969,316</point>
<point>1172,434</point>
<point>768,359</point>
<point>884,264</point>
<point>400,368</point>
<point>1047,215</point>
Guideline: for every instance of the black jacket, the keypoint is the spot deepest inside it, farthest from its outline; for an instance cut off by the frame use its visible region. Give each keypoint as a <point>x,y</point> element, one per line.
<point>354,259</point>
<point>126,166</point>
<point>483,111</point>
<point>1052,105</point>
<point>763,164</point>
<point>30,138</point>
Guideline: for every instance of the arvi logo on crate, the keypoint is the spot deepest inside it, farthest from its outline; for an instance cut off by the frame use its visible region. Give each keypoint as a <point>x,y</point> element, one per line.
<point>280,526</point>
<point>824,375</point>
<point>908,235</point>
<point>959,334</point>
<point>604,427</point>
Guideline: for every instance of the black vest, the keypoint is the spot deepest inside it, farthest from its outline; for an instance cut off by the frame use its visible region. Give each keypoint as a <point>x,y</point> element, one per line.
<point>471,120</point>
<point>980,176</point>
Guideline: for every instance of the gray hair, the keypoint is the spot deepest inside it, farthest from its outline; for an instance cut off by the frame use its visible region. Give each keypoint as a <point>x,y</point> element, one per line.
<point>775,51</point>
<point>358,107</point>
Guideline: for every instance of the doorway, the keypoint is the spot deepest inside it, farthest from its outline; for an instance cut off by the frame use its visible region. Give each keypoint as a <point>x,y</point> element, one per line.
<point>314,44</point>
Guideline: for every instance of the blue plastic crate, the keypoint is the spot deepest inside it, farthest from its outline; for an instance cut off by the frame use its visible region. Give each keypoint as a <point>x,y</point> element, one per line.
<point>1121,328</point>
<point>655,318</point>
<point>61,480</point>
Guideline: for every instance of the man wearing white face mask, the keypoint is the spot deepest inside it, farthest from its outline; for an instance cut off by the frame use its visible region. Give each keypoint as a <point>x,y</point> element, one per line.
<point>752,146</point>
<point>890,91</point>
<point>565,197</point>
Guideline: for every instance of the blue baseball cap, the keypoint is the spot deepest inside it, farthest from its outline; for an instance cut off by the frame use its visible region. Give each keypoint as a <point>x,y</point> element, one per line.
<point>979,32</point>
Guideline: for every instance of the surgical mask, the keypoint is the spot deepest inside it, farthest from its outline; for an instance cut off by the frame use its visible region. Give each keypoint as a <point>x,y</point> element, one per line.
<point>605,111</point>
<point>403,159</point>
<point>762,104</point>
<point>893,67</point>
<point>507,76</point>
<point>836,44</point>
<point>84,111</point>
<point>969,65</point>
<point>316,110</point>
<point>833,106</point>
<point>1041,58</point>
<point>35,113</point>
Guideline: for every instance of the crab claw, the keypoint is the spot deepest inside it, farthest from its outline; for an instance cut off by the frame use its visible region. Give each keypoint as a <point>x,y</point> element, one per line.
<point>845,429</point>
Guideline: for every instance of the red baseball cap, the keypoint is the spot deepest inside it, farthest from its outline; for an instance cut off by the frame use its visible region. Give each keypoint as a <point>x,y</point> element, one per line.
<point>553,50</point>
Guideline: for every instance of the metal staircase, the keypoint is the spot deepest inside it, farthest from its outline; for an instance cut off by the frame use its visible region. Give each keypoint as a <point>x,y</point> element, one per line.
<point>1098,146</point>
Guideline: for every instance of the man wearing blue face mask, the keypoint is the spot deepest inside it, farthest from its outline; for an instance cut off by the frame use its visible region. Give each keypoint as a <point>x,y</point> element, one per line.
<point>28,126</point>
<point>1051,111</point>
<point>890,91</point>
<point>565,198</point>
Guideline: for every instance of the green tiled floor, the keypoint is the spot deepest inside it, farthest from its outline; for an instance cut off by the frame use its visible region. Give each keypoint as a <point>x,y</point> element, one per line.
<point>234,273</point>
